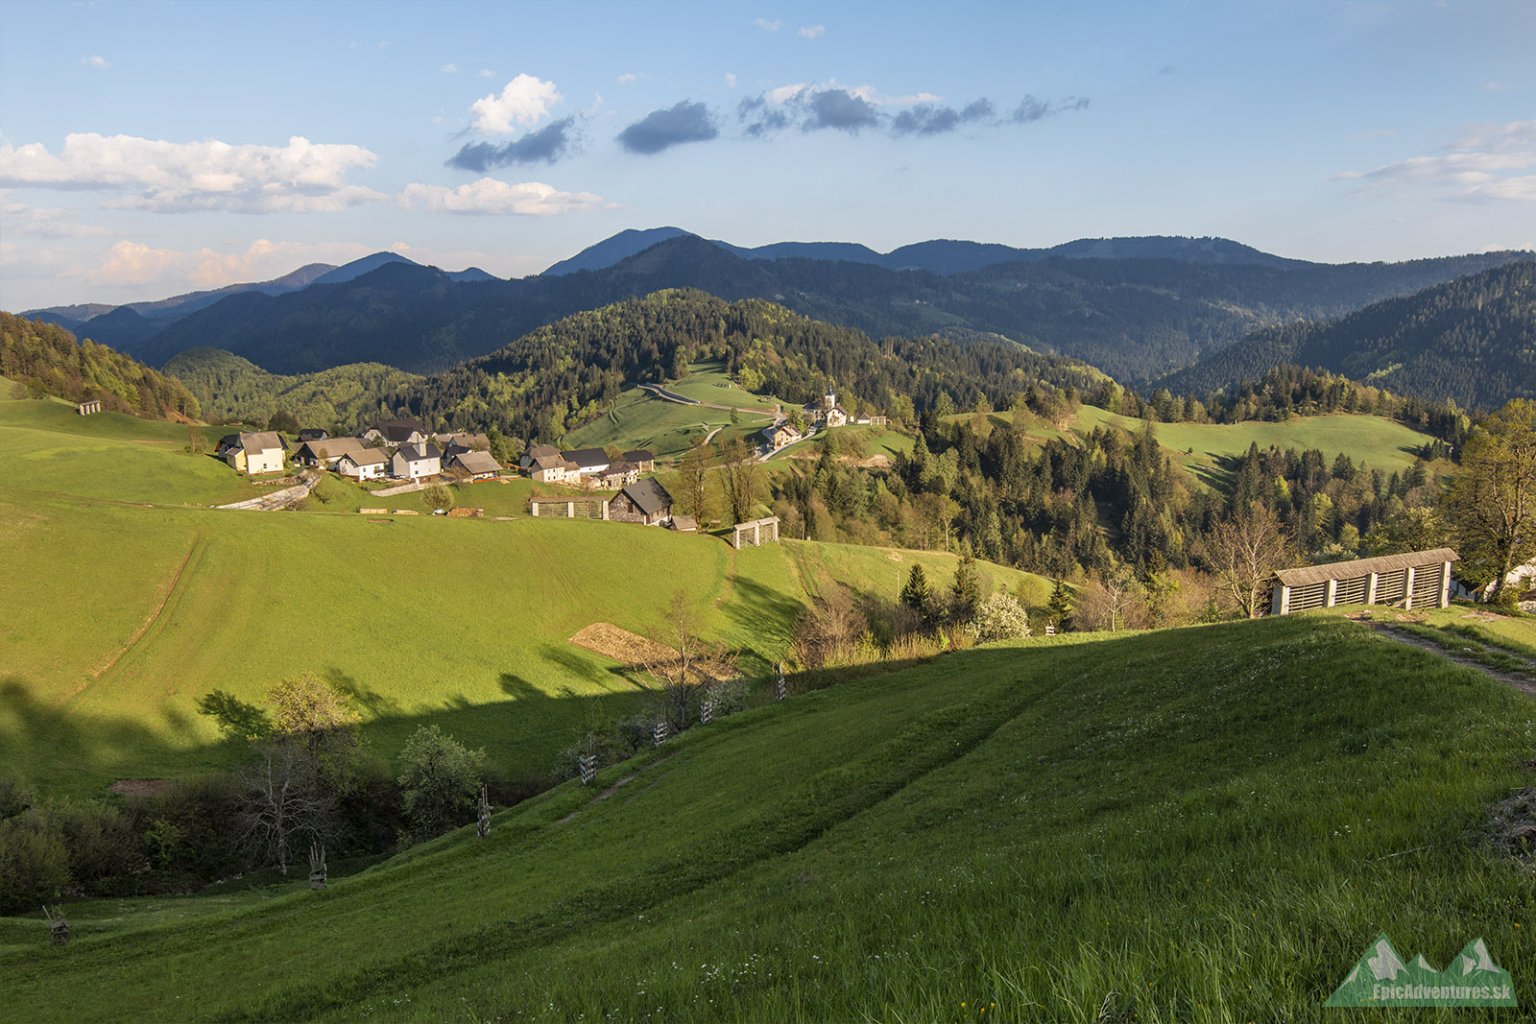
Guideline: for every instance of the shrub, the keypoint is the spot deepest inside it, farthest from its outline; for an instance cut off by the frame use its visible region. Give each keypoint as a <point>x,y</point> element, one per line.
<point>436,497</point>
<point>1000,617</point>
<point>441,779</point>
<point>34,864</point>
<point>15,797</point>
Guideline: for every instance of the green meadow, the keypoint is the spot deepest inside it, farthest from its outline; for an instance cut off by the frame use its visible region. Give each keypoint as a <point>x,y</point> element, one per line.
<point>638,419</point>
<point>123,611</point>
<point>1199,825</point>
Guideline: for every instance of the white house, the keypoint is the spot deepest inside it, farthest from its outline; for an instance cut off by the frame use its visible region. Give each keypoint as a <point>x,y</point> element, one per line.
<point>257,452</point>
<point>364,464</point>
<point>826,412</point>
<point>414,461</point>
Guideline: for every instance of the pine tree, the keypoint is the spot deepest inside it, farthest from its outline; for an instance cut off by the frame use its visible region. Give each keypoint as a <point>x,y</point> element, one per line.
<point>1060,606</point>
<point>965,593</point>
<point>915,594</point>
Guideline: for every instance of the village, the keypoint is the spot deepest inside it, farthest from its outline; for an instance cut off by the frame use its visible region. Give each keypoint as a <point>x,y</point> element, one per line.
<point>407,456</point>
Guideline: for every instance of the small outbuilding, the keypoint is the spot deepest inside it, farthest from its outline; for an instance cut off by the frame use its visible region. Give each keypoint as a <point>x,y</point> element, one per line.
<point>755,533</point>
<point>1415,579</point>
<point>477,464</point>
<point>644,501</point>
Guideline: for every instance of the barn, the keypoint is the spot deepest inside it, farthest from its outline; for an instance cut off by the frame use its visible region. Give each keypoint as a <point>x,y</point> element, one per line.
<point>1416,579</point>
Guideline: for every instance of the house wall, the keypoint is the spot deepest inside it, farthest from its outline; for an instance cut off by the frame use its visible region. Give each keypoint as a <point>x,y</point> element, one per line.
<point>269,460</point>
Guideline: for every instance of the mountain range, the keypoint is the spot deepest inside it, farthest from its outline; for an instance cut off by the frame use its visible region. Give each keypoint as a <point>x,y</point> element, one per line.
<point>1139,308</point>
<point>1472,340</point>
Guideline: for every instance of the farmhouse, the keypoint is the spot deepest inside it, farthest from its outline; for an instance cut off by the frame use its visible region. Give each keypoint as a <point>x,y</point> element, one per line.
<point>589,461</point>
<point>365,464</point>
<point>644,501</point>
<point>415,461</point>
<point>313,434</point>
<point>397,432</point>
<point>617,475</point>
<point>253,453</point>
<point>478,465</point>
<point>544,463</point>
<point>644,461</point>
<point>327,452</point>
<point>1417,579</point>
<point>780,435</point>
<point>454,443</point>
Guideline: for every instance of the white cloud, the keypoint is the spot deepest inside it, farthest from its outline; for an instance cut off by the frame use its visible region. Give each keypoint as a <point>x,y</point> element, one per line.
<point>97,62</point>
<point>136,263</point>
<point>769,26</point>
<point>730,80</point>
<point>449,69</point>
<point>811,31</point>
<point>867,93</point>
<point>485,73</point>
<point>1476,166</point>
<point>153,174</point>
<point>627,78</point>
<point>523,101</point>
<point>490,195</point>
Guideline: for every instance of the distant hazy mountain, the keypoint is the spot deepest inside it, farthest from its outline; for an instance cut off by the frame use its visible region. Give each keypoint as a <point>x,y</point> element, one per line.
<point>1137,319</point>
<point>1472,339</point>
<point>613,250</point>
<point>941,256</point>
<point>357,268</point>
<point>472,274</point>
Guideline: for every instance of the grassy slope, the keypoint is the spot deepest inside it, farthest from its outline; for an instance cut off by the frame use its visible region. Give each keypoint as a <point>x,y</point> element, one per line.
<point>119,615</point>
<point>1198,825</point>
<point>1381,443</point>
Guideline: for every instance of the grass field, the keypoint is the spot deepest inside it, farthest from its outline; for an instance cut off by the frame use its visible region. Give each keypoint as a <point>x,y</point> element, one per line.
<point>641,420</point>
<point>121,613</point>
<point>1202,825</point>
<point>1204,447</point>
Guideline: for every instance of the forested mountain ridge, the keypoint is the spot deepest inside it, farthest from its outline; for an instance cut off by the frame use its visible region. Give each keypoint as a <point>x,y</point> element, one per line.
<point>1137,318</point>
<point>1472,340</point>
<point>347,398</point>
<point>48,360</point>
<point>566,373</point>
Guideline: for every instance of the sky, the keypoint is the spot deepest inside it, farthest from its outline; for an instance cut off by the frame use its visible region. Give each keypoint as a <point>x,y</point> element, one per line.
<point>153,148</point>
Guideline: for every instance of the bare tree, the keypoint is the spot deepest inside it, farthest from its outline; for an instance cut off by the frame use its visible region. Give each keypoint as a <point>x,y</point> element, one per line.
<point>1244,551</point>
<point>681,680</point>
<point>694,468</point>
<point>1492,500</point>
<point>740,481</point>
<point>283,799</point>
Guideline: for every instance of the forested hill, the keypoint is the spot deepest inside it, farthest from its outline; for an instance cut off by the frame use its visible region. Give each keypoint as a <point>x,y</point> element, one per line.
<point>48,360</point>
<point>1472,340</point>
<point>565,373</point>
<point>1135,318</point>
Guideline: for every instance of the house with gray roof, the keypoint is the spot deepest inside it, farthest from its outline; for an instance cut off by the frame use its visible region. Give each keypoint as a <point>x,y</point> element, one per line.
<point>364,464</point>
<point>416,461</point>
<point>477,465</point>
<point>644,501</point>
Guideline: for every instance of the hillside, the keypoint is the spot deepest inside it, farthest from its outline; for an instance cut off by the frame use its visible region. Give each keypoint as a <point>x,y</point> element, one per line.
<point>1133,318</point>
<point>1472,340</point>
<point>1202,826</point>
<point>342,398</point>
<point>569,373</point>
<point>48,359</point>
<point>465,623</point>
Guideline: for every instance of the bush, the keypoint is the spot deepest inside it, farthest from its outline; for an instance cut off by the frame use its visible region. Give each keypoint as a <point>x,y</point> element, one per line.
<point>34,863</point>
<point>1000,617</point>
<point>436,497</point>
<point>15,797</point>
<point>441,780</point>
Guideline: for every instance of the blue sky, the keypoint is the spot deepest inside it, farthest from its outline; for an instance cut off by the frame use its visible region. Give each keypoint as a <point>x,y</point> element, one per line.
<point>152,148</point>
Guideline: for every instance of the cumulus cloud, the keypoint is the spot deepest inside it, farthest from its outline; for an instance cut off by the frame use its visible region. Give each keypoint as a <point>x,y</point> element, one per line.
<point>1484,164</point>
<point>96,62</point>
<point>768,26</point>
<point>524,100</point>
<point>839,109</point>
<point>136,263</point>
<point>662,129</point>
<point>449,69</point>
<point>485,73</point>
<point>857,108</point>
<point>811,31</point>
<point>490,195</point>
<point>163,176</point>
<point>546,145</point>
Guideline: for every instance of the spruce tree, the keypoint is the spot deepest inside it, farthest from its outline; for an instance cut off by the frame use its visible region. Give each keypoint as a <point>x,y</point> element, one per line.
<point>1060,606</point>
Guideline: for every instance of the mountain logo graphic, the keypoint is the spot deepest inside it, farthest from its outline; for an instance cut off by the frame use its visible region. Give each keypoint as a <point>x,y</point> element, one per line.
<point>1381,978</point>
